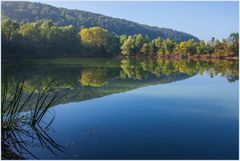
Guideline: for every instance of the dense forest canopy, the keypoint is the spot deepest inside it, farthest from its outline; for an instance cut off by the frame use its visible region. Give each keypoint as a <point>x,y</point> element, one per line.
<point>46,39</point>
<point>139,45</point>
<point>24,12</point>
<point>35,30</point>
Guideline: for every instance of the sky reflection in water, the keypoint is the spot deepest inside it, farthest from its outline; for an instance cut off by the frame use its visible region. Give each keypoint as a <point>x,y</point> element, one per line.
<point>195,118</point>
<point>139,109</point>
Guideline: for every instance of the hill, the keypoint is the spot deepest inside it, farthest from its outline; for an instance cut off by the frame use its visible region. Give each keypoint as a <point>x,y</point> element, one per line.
<point>31,11</point>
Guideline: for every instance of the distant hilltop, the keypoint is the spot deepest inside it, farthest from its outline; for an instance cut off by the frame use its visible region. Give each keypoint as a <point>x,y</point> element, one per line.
<point>32,11</point>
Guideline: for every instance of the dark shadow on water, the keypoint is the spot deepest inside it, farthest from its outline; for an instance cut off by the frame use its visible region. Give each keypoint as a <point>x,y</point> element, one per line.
<point>18,142</point>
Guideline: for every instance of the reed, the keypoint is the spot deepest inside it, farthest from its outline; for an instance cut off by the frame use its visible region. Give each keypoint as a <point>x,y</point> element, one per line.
<point>21,117</point>
<point>14,104</point>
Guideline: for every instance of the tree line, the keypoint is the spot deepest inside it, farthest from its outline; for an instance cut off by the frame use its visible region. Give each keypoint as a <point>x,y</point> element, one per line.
<point>30,12</point>
<point>139,45</point>
<point>46,39</point>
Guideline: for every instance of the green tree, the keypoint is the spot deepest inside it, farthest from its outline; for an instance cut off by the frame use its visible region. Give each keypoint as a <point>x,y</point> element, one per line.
<point>145,49</point>
<point>128,47</point>
<point>202,48</point>
<point>234,43</point>
<point>95,39</point>
<point>30,31</point>
<point>9,29</point>
<point>191,47</point>
<point>152,48</point>
<point>113,45</point>
<point>122,38</point>
<point>139,40</point>
<point>158,43</point>
<point>10,38</point>
<point>168,46</point>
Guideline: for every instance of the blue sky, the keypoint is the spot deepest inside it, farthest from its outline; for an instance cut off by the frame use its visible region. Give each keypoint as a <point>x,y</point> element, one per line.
<point>202,19</point>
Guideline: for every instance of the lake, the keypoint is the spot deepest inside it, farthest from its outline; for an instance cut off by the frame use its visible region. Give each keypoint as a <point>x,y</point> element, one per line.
<point>136,108</point>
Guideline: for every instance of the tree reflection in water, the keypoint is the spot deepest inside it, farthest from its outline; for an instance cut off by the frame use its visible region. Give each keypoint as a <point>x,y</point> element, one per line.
<point>82,80</point>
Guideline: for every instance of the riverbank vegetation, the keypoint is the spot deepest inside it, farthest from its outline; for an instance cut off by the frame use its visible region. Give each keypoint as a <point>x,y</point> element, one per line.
<point>139,45</point>
<point>22,122</point>
<point>44,39</point>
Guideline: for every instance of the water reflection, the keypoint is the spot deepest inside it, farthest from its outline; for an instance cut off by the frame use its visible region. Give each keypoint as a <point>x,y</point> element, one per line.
<point>19,141</point>
<point>188,113</point>
<point>139,69</point>
<point>87,79</point>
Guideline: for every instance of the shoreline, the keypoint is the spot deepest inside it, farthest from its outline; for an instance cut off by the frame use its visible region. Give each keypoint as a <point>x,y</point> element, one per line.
<point>171,57</point>
<point>193,57</point>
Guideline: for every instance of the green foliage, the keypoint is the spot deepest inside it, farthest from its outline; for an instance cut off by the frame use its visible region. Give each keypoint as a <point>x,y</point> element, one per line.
<point>128,46</point>
<point>46,39</point>
<point>10,36</point>
<point>97,40</point>
<point>141,46</point>
<point>94,37</point>
<point>168,46</point>
<point>145,49</point>
<point>188,48</point>
<point>122,38</point>
<point>34,39</point>
<point>226,47</point>
<point>9,29</point>
<point>139,41</point>
<point>234,43</point>
<point>202,48</point>
<point>30,12</point>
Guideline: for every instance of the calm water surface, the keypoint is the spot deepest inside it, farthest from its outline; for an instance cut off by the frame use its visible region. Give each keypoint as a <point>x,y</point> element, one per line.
<point>125,110</point>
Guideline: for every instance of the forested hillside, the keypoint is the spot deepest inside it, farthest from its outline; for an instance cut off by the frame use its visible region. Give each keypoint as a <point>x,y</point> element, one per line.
<point>35,30</point>
<point>31,12</point>
<point>46,40</point>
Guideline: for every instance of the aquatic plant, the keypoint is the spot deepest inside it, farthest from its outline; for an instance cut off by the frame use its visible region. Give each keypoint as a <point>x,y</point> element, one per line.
<point>20,126</point>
